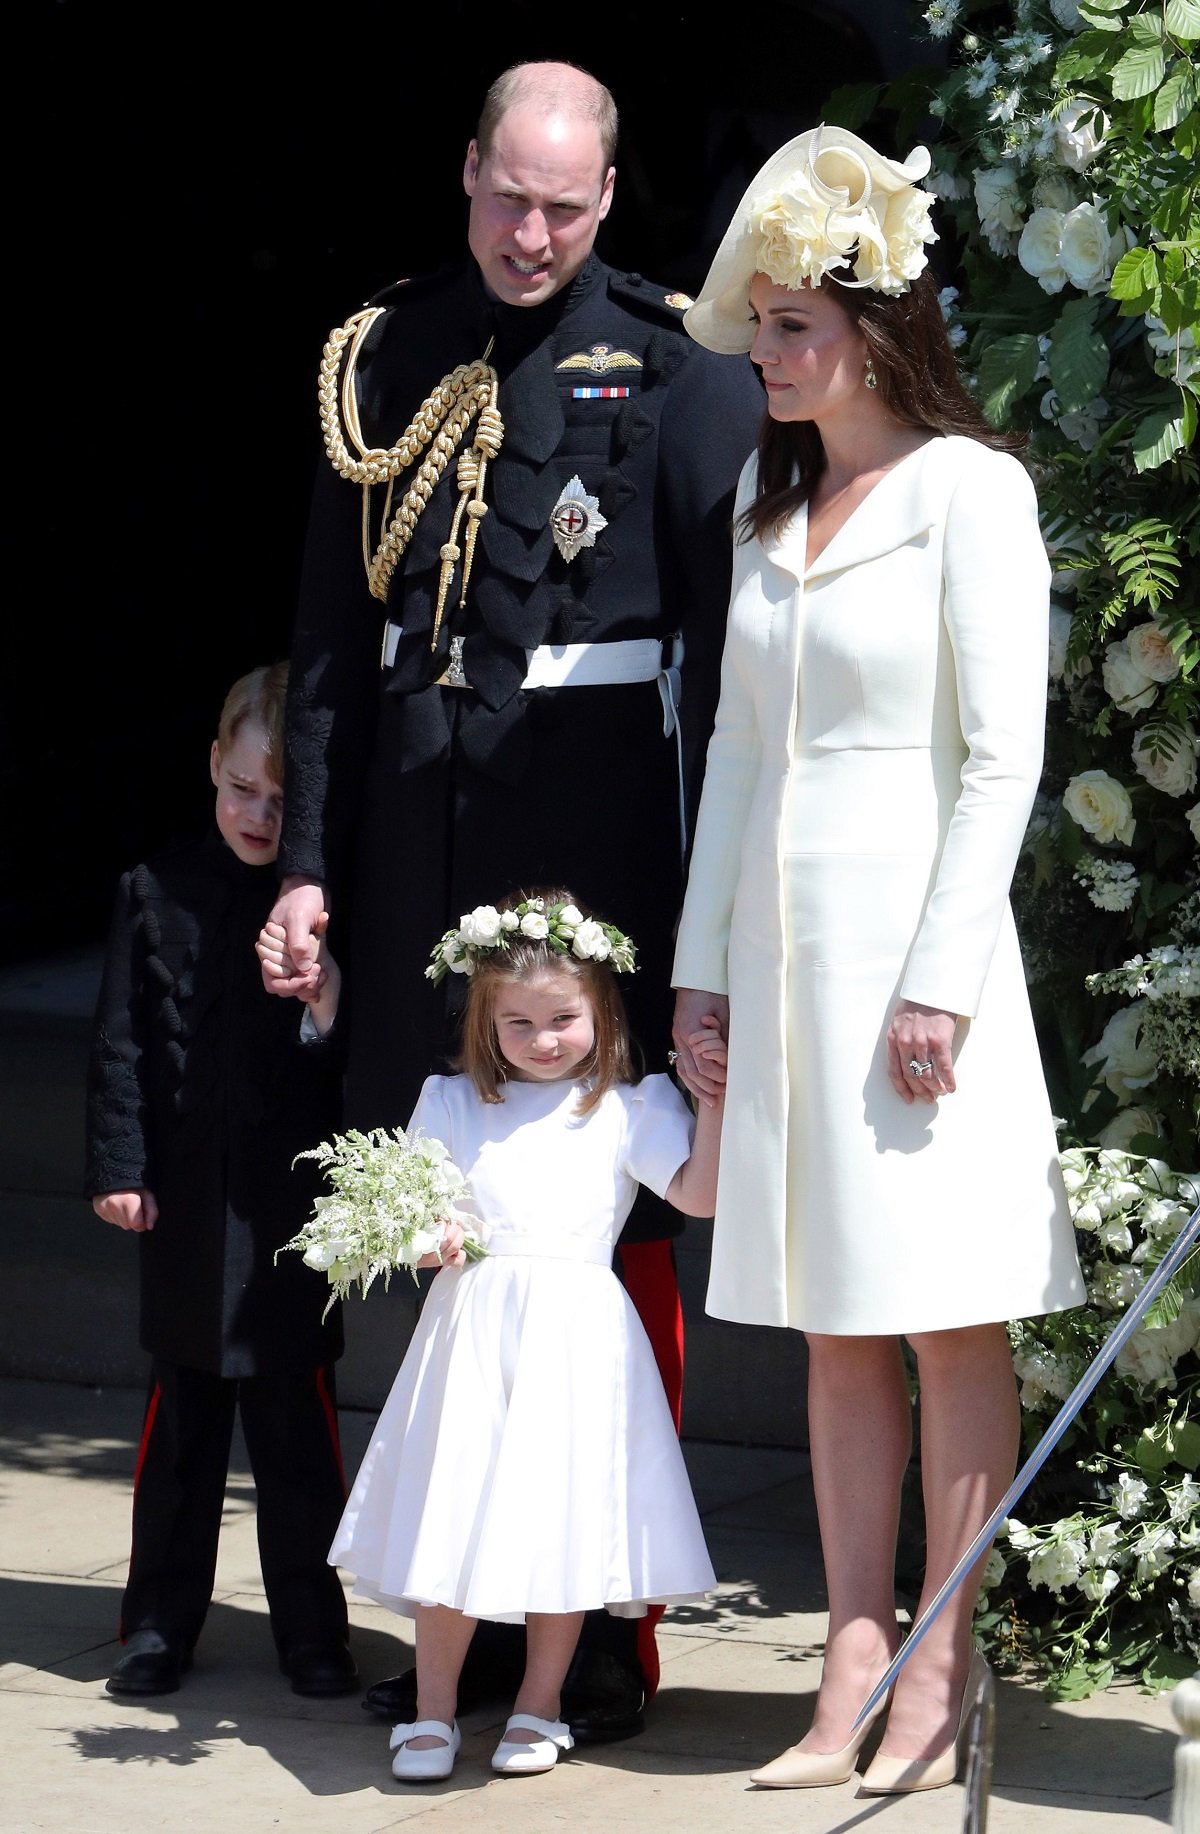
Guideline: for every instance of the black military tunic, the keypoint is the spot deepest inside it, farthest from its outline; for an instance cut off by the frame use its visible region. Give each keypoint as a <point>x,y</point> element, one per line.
<point>416,802</point>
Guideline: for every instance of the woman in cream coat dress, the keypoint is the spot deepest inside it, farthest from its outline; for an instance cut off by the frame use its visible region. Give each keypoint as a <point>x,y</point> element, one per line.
<point>889,1165</point>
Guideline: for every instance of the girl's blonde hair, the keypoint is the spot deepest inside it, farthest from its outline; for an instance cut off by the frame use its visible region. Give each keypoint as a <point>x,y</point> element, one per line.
<point>611,1059</point>
<point>258,696</point>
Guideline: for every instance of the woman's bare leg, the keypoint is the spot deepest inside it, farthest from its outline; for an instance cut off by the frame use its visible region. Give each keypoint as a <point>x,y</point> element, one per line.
<point>970,1434</point>
<point>860,1439</point>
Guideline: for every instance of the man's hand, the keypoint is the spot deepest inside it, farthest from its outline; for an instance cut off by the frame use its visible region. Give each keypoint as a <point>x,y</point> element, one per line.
<point>301,913</point>
<point>136,1210</point>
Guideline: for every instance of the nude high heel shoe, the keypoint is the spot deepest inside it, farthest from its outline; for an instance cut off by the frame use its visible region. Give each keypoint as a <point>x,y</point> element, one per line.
<point>796,1769</point>
<point>889,1776</point>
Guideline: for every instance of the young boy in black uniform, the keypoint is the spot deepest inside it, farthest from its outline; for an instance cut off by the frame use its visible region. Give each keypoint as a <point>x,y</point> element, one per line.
<point>201,1092</point>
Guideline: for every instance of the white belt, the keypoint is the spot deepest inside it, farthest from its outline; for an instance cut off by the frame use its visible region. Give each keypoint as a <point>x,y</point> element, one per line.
<point>592,665</point>
<point>552,1248</point>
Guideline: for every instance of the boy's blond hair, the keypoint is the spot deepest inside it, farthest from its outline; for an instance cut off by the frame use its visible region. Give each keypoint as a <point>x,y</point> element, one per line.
<point>258,696</point>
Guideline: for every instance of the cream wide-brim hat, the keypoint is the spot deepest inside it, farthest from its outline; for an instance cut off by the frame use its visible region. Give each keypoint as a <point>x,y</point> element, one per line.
<point>719,318</point>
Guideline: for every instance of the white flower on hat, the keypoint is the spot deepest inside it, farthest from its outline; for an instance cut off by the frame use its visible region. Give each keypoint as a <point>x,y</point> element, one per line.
<point>844,206</point>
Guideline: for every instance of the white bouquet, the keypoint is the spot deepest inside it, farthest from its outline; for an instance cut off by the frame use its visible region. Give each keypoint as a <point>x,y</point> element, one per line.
<point>392,1197</point>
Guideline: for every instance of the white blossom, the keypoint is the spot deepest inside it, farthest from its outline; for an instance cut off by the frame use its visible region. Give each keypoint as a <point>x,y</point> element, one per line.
<point>1129,1496</point>
<point>1128,685</point>
<point>1079,133</point>
<point>1101,806</point>
<point>1174,775</point>
<point>1125,1060</point>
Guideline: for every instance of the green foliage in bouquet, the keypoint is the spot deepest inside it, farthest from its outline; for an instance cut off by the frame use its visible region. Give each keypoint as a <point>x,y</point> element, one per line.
<point>1099,1574</point>
<point>393,1194</point>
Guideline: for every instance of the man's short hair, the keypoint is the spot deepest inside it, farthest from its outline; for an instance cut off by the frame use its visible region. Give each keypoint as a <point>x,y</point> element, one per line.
<point>556,89</point>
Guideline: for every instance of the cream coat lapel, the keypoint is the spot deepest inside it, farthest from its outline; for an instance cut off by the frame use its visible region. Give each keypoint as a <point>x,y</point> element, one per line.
<point>906,502</point>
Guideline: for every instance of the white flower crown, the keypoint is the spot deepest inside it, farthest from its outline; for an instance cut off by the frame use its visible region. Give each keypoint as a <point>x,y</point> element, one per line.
<point>562,927</point>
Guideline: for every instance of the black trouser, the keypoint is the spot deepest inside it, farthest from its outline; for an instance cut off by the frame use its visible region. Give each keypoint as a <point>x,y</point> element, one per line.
<point>289,1422</point>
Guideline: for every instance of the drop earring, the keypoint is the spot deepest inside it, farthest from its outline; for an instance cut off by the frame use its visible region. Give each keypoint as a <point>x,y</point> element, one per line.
<point>870,379</point>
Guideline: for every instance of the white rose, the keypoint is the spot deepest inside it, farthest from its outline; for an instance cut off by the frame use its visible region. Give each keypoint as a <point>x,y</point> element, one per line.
<point>534,924</point>
<point>319,1255</point>
<point>1124,682</point>
<point>1088,250</point>
<point>998,202</point>
<point>569,914</point>
<point>1174,776</point>
<point>509,921</point>
<point>1040,249</point>
<point>1101,806</point>
<point>895,262</point>
<point>590,943</point>
<point>1126,1063</point>
<point>1079,134</point>
<point>1150,652</point>
<point>1056,192</point>
<point>1129,1496</point>
<point>1061,621</point>
<point>481,927</point>
<point>1193,820</point>
<point>1122,1128</point>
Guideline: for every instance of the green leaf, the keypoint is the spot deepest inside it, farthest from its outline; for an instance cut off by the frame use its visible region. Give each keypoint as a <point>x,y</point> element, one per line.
<point>1176,97</point>
<point>1167,1667</point>
<point>1091,51</point>
<point>1145,28</point>
<point>1006,371</point>
<point>1139,72</point>
<point>1159,437</point>
<point>1099,13</point>
<point>1183,18</point>
<point>1078,357</point>
<point>1185,1445</point>
<point>1135,276</point>
<point>852,105</point>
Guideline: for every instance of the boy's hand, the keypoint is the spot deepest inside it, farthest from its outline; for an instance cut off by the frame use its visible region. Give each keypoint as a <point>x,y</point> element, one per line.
<point>136,1210</point>
<point>300,912</point>
<point>279,967</point>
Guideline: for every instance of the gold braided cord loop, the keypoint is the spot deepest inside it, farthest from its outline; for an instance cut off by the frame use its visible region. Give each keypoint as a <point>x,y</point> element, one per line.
<point>440,423</point>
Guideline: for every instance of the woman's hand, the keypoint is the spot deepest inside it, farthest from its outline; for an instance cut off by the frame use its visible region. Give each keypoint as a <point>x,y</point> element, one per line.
<point>451,1252</point>
<point>696,1011</point>
<point>921,1035</point>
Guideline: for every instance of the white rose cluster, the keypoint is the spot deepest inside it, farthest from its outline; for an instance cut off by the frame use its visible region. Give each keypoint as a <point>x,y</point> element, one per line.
<point>1076,246</point>
<point>1172,772</point>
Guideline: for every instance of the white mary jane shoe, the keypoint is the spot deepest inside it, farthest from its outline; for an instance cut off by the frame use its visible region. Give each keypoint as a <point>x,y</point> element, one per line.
<point>516,1760</point>
<point>430,1762</point>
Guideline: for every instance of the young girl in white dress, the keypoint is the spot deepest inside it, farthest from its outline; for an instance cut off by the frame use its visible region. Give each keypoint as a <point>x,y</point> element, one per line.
<point>525,1467</point>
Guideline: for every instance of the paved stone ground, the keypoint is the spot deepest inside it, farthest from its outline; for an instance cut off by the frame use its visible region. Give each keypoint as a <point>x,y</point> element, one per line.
<point>235,1752</point>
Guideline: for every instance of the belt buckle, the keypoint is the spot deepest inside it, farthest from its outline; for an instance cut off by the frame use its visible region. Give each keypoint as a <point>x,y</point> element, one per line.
<point>453,675</point>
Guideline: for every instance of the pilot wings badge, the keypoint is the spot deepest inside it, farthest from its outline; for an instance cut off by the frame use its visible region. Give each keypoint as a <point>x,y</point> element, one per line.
<point>575,520</point>
<point>600,359</point>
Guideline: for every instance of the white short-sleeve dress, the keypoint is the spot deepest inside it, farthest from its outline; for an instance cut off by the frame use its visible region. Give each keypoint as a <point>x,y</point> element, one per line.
<point>526,1458</point>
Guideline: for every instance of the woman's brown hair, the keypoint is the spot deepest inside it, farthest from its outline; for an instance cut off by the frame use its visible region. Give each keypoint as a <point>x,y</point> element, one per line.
<point>611,1059</point>
<point>916,377</point>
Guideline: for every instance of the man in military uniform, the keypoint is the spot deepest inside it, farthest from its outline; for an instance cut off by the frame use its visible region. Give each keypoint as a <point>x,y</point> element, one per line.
<point>505,663</point>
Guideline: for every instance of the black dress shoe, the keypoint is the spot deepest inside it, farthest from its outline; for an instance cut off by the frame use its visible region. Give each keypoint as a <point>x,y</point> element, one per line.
<point>602,1698</point>
<point>320,1669</point>
<point>395,1699</point>
<point>150,1662</point>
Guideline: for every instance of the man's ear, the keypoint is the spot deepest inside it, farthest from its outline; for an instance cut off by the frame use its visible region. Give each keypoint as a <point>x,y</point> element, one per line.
<point>606,193</point>
<point>471,168</point>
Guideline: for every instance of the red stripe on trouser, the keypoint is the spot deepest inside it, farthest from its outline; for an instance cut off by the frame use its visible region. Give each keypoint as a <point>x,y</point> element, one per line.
<point>648,1274</point>
<point>143,1446</point>
<point>331,1421</point>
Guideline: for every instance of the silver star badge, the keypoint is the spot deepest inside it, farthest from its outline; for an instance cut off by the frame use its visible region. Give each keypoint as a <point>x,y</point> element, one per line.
<point>575,520</point>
